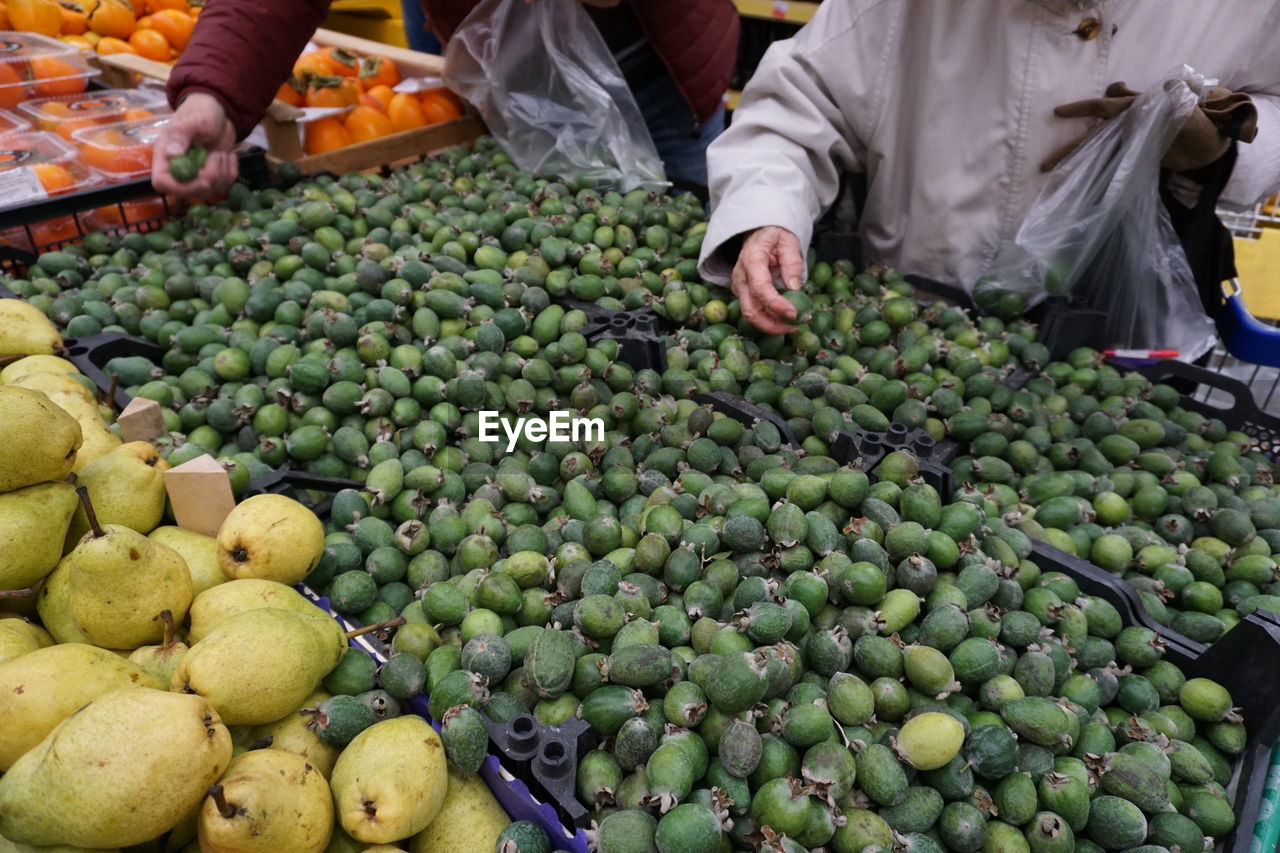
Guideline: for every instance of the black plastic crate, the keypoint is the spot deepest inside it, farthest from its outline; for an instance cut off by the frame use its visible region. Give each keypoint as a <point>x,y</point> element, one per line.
<point>295,484</point>
<point>746,413</point>
<point>91,354</point>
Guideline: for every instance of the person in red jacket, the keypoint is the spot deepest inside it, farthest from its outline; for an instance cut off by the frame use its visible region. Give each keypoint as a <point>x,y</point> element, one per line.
<point>676,55</point>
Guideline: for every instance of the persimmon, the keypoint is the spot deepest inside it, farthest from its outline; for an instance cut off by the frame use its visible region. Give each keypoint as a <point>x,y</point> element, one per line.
<point>75,20</point>
<point>340,62</point>
<point>52,231</point>
<point>150,44</point>
<point>146,208</point>
<point>55,76</point>
<point>175,26</point>
<point>5,24</point>
<point>332,92</point>
<point>368,100</point>
<point>12,92</point>
<point>153,6</point>
<point>92,38</point>
<point>113,18</point>
<point>311,64</point>
<point>81,41</point>
<point>109,45</point>
<point>406,112</point>
<point>366,123</point>
<point>289,93</point>
<point>378,71</point>
<point>326,134</point>
<point>439,105</point>
<point>382,94</point>
<point>35,16</point>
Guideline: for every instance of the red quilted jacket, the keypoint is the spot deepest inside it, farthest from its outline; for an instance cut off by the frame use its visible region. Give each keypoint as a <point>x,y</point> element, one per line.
<point>242,50</point>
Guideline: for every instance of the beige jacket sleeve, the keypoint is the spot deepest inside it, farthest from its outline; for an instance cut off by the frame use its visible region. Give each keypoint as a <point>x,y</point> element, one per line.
<point>803,120</point>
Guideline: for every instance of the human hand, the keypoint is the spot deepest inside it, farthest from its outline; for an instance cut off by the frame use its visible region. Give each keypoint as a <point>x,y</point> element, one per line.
<point>198,120</point>
<point>767,254</point>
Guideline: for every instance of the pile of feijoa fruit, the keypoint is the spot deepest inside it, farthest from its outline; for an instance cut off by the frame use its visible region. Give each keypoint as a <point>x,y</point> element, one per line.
<point>776,651</point>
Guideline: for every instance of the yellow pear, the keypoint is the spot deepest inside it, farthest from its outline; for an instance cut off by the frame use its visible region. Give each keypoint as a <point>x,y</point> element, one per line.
<point>291,734</point>
<point>35,364</point>
<point>40,439</point>
<point>126,487</point>
<point>33,523</point>
<point>7,846</point>
<point>25,330</point>
<point>98,439</point>
<point>163,659</point>
<point>271,537</point>
<point>383,848</point>
<point>390,782</point>
<point>55,382</point>
<point>259,665</point>
<point>19,636</point>
<point>44,687</point>
<point>214,606</point>
<point>469,803</point>
<point>53,604</point>
<point>121,582</point>
<point>122,770</point>
<point>200,552</point>
<point>267,801</point>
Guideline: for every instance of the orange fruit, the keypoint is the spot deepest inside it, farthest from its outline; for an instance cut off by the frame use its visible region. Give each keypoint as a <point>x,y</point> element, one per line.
<point>12,92</point>
<point>108,45</point>
<point>150,44</point>
<point>75,20</point>
<point>175,26</point>
<point>81,41</point>
<point>146,208</point>
<point>153,6</point>
<point>378,71</point>
<point>439,105</point>
<point>288,92</point>
<point>332,92</point>
<point>326,134</point>
<point>35,16</point>
<point>310,65</point>
<point>340,62</point>
<point>5,24</point>
<point>370,101</point>
<point>56,77</point>
<point>406,112</point>
<point>382,94</point>
<point>53,178</point>
<point>366,123</point>
<point>112,18</point>
<point>55,231</point>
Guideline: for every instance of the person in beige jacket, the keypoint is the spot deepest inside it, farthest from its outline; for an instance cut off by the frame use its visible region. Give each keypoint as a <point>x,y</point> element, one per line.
<point>949,110</point>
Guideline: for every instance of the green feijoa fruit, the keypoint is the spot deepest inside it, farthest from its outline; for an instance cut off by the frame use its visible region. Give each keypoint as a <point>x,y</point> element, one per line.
<point>737,682</point>
<point>848,487</point>
<point>1210,810</point>
<point>831,767</point>
<point>1175,832</point>
<point>1039,720</point>
<point>639,665</point>
<point>1016,799</point>
<point>830,651</point>
<point>805,725</point>
<point>765,622</point>
<point>403,675</point>
<point>781,805</point>
<point>599,616</point>
<point>442,661</point>
<point>1049,833</point>
<point>1115,823</point>
<point>674,626</point>
<point>488,655</point>
<point>918,811</point>
<point>862,830</point>
<point>598,777</point>
<point>525,836</point>
<point>740,749</point>
<point>355,673</point>
<point>635,742</point>
<point>898,609</point>
<point>465,738</point>
<point>691,828</point>
<point>670,774</point>
<point>1138,647</point>
<point>1205,700</point>
<point>930,740</point>
<point>944,627</point>
<point>606,708</point>
<point>1188,764</point>
<point>338,719</point>
<point>975,660</point>
<point>962,827</point>
<point>549,662</point>
<point>1136,694</point>
<point>445,604</point>
<point>881,776</point>
<point>992,751</point>
<point>1129,777</point>
<point>352,592</point>
<point>1095,738</point>
<point>1152,755</point>
<point>996,691</point>
<point>978,582</point>
<point>849,699</point>
<point>862,583</point>
<point>1066,796</point>
<point>877,657</point>
<point>928,670</point>
<point>1227,736</point>
<point>1082,690</point>
<point>1019,629</point>
<point>631,830</point>
<point>1002,837</point>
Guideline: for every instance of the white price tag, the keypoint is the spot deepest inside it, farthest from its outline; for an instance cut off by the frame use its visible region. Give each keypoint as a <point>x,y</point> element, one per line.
<point>20,186</point>
<point>780,9</point>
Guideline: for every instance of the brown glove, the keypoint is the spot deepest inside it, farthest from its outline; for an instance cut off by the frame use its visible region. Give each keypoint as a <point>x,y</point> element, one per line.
<point>1223,115</point>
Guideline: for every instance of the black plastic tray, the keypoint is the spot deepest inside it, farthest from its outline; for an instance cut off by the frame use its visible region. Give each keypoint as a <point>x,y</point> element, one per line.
<point>869,448</point>
<point>90,356</point>
<point>746,413</point>
<point>292,483</point>
<point>640,346</point>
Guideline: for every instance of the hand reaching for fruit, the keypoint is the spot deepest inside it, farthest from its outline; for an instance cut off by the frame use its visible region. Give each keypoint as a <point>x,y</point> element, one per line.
<point>199,122</point>
<point>768,254</point>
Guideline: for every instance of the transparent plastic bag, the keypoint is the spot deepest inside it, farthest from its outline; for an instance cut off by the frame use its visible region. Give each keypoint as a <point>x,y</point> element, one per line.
<point>1099,235</point>
<point>547,86</point>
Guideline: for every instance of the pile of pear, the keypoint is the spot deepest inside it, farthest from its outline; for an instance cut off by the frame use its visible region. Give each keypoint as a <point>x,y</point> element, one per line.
<point>152,703</point>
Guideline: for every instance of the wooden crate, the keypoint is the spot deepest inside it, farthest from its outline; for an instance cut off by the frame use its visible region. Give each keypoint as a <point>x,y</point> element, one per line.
<point>283,131</point>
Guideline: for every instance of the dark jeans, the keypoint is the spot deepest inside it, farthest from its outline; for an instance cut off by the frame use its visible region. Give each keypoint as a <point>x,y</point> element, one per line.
<point>681,142</point>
